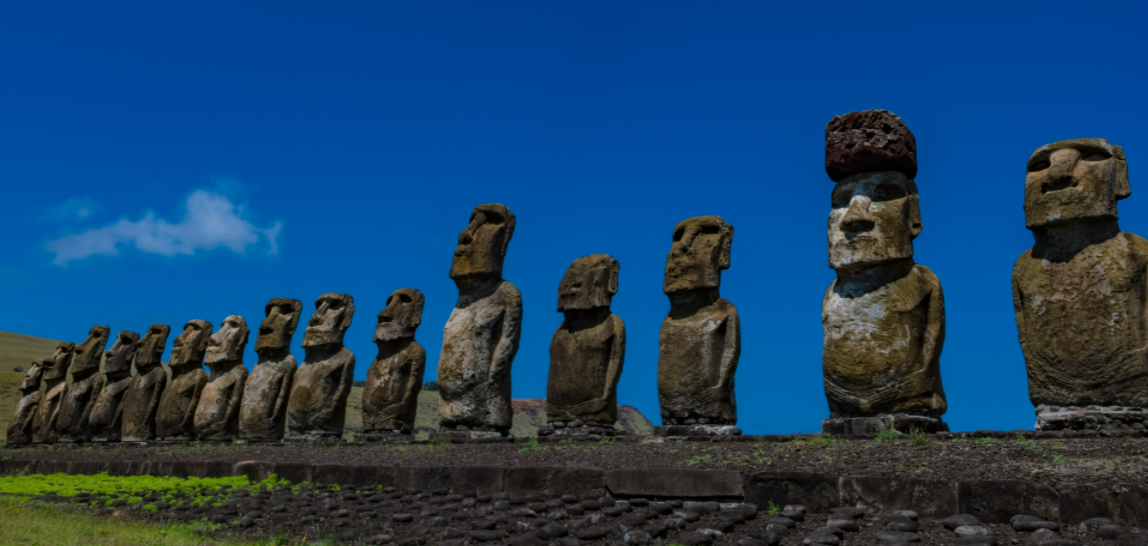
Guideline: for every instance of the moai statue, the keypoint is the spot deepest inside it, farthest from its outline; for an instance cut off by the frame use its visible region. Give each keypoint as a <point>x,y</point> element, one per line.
<point>317,407</point>
<point>700,341</point>
<point>141,401</point>
<point>1079,292</point>
<point>104,420</point>
<point>391,396</point>
<point>586,352</point>
<point>72,418</point>
<point>217,415</point>
<point>884,315</point>
<point>55,380</point>
<point>20,428</point>
<point>174,419</point>
<point>263,413</point>
<point>481,336</point>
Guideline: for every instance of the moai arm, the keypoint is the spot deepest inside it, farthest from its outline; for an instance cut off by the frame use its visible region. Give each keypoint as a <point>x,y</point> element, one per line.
<point>415,379</point>
<point>283,395</point>
<point>508,343</point>
<point>935,329</point>
<point>1019,311</point>
<point>97,386</point>
<point>234,402</point>
<point>730,354</point>
<point>342,389</point>
<point>617,356</point>
<point>189,413</point>
<point>153,402</point>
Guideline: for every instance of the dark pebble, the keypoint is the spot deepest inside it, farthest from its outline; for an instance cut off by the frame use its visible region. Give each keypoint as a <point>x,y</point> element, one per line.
<point>783,521</point>
<point>1110,531</point>
<point>451,532</point>
<point>380,539</point>
<point>1091,525</point>
<point>1029,525</point>
<point>592,532</point>
<point>985,540</point>
<point>551,531</point>
<point>485,536</point>
<point>897,536</point>
<point>960,520</point>
<point>568,541</point>
<point>524,540</point>
<point>695,539</point>
<point>902,526</point>
<point>850,512</point>
<point>822,538</point>
<point>835,531</point>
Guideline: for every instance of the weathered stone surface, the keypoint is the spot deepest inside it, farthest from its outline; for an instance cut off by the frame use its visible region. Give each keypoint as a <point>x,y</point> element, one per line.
<point>1082,267</point>
<point>175,416</point>
<point>72,418</point>
<point>816,492</point>
<point>217,413</point>
<point>481,336</point>
<point>318,403</point>
<point>55,382</point>
<point>675,483</point>
<point>588,349</point>
<point>104,420</point>
<point>700,340</point>
<point>263,412</point>
<point>20,428</point>
<point>390,397</point>
<point>869,141</point>
<point>996,501</point>
<point>141,401</point>
<point>884,316</point>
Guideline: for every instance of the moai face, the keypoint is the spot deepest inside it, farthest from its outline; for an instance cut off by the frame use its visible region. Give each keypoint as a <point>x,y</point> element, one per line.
<point>58,366</point>
<point>1074,180</point>
<point>32,378</point>
<point>590,282</point>
<point>277,329</point>
<point>149,351</point>
<point>482,245</point>
<point>875,218</point>
<point>119,358</point>
<point>699,253</point>
<point>189,347</point>
<point>333,314</point>
<point>402,316</point>
<point>89,352</point>
<point>228,344</point>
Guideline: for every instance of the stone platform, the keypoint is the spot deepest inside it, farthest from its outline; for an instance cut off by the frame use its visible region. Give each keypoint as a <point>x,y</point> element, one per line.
<point>465,435</point>
<point>882,423</point>
<point>697,430</point>
<point>1090,418</point>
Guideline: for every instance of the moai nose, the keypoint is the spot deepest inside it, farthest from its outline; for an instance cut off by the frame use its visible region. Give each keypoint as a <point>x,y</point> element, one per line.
<point>857,218</point>
<point>1062,163</point>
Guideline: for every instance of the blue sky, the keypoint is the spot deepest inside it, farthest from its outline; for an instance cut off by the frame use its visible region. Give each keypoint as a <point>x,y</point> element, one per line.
<point>166,163</point>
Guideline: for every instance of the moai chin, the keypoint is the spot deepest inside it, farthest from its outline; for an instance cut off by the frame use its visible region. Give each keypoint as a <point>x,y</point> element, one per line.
<point>20,428</point>
<point>104,420</point>
<point>317,407</point>
<point>884,316</point>
<point>391,395</point>
<point>1079,293</point>
<point>263,412</point>
<point>700,341</point>
<point>586,352</point>
<point>141,401</point>
<point>72,419</point>
<point>481,337</point>
<point>55,381</point>
<point>174,419</point>
<point>217,414</point>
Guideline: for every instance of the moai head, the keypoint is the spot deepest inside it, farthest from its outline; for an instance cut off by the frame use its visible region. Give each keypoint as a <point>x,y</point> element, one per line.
<point>32,378</point>
<point>402,316</point>
<point>228,344</point>
<point>89,352</point>
<point>188,348</point>
<point>590,282</point>
<point>149,351</point>
<point>333,314</point>
<point>1074,180</point>
<point>118,360</point>
<point>699,253</point>
<point>872,156</point>
<point>482,245</point>
<point>277,329</point>
<point>58,364</point>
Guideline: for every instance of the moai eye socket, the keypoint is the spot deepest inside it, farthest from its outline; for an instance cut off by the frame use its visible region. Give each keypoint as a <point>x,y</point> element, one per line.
<point>1094,154</point>
<point>678,234</point>
<point>404,298</point>
<point>1038,163</point>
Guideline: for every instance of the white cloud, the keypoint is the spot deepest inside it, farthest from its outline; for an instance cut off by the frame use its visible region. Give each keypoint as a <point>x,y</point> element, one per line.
<point>72,210</point>
<point>210,221</point>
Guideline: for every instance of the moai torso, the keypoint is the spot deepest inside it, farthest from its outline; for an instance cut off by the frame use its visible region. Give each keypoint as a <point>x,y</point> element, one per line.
<point>391,394</point>
<point>263,410</point>
<point>481,337</point>
<point>318,403</point>
<point>103,421</point>
<point>55,379</point>
<point>217,413</point>
<point>174,419</point>
<point>700,341</point>
<point>20,428</point>
<point>883,318</point>
<point>588,349</point>
<point>1080,293</point>
<point>72,422</point>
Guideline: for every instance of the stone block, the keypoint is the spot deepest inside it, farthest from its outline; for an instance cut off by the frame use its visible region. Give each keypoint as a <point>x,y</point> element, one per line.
<point>357,475</point>
<point>125,468</point>
<point>936,498</point>
<point>254,470</point>
<point>185,469</point>
<point>876,494</point>
<point>675,483</point>
<point>1132,506</point>
<point>1079,502</point>
<point>817,492</point>
<point>481,480</point>
<point>218,469</point>
<point>157,468</point>
<point>295,472</point>
<point>995,501</point>
<point>51,467</point>
<point>423,478</point>
<point>16,468</point>
<point>87,468</point>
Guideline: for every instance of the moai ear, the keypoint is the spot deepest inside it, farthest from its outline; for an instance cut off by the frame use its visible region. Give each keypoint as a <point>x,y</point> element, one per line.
<point>915,224</point>
<point>726,245</point>
<point>348,314</point>
<point>612,286</point>
<point>417,301</point>
<point>1122,189</point>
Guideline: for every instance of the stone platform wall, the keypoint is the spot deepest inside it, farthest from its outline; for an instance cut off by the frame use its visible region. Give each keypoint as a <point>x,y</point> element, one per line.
<point>993,501</point>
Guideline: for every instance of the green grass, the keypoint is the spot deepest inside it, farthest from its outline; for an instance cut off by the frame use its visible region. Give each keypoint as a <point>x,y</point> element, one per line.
<point>888,435</point>
<point>986,440</point>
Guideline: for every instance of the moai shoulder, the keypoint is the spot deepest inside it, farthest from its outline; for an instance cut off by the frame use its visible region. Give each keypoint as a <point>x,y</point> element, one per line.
<point>263,411</point>
<point>391,394</point>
